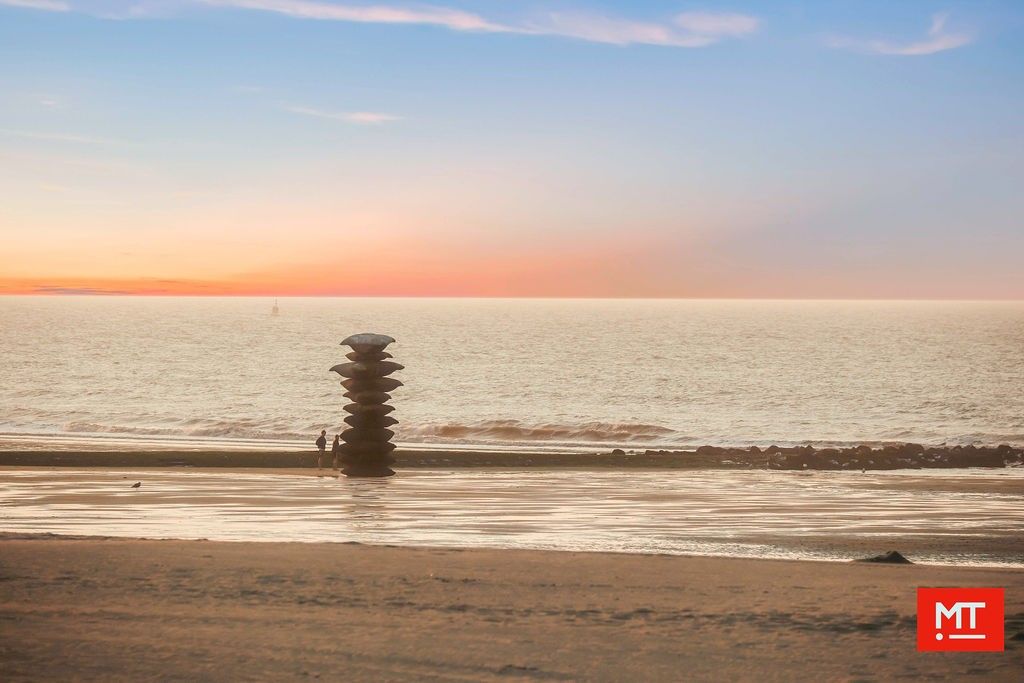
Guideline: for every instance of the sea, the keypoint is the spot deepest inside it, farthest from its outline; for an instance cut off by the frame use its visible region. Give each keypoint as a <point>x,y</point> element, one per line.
<point>118,372</point>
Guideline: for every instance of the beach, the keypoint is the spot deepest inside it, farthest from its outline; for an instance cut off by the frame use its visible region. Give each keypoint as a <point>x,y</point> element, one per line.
<point>428,576</point>
<point>683,498</point>
<point>121,609</point>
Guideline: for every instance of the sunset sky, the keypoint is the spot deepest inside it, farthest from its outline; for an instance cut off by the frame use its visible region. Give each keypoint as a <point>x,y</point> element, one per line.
<point>810,149</point>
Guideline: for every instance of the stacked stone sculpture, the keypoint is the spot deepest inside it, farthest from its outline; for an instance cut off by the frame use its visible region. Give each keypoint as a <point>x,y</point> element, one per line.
<point>367,447</point>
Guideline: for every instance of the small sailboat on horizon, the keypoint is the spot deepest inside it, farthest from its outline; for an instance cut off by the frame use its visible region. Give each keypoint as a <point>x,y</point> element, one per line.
<point>275,311</point>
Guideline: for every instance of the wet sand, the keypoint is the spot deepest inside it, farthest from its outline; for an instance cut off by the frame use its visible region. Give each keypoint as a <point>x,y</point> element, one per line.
<point>971,517</point>
<point>1012,486</point>
<point>101,609</point>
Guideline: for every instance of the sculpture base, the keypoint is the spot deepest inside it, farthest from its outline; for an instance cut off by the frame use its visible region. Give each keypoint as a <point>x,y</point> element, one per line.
<point>366,470</point>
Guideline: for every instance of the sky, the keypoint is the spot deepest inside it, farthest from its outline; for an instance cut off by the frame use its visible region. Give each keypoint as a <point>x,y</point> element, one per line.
<point>584,148</point>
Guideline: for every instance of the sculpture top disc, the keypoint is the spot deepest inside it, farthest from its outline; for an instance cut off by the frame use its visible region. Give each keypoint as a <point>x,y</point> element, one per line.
<point>367,342</point>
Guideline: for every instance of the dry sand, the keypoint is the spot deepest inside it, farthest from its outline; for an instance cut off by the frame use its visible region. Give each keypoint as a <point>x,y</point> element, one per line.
<point>92,609</point>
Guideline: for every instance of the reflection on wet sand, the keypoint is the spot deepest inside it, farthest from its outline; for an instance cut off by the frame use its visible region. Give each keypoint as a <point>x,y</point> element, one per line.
<point>967,517</point>
<point>366,504</point>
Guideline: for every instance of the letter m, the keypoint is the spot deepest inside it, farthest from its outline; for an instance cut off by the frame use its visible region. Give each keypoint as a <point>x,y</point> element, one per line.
<point>941,611</point>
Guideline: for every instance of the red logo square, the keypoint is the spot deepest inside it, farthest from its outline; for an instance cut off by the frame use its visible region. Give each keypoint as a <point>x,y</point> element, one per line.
<point>960,619</point>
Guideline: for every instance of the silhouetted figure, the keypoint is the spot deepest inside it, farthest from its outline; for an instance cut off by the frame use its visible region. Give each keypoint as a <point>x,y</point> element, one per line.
<point>321,445</point>
<point>336,450</point>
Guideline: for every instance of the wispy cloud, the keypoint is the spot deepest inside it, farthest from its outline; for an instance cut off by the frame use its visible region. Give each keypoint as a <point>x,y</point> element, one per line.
<point>366,118</point>
<point>611,30</point>
<point>370,117</point>
<point>458,20</point>
<point>80,291</point>
<point>44,5</point>
<point>37,99</point>
<point>939,39</point>
<point>691,29</point>
<point>57,137</point>
<point>87,286</point>
<point>717,24</point>
<point>49,102</point>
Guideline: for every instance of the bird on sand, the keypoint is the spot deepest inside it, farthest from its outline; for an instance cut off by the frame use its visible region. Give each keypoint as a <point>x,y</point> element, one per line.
<point>136,484</point>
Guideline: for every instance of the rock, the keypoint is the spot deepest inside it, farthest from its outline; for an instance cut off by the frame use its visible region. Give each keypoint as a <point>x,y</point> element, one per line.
<point>376,420</point>
<point>373,355</point>
<point>709,450</point>
<point>773,450</point>
<point>379,384</point>
<point>363,434</point>
<point>618,451</point>
<point>368,342</point>
<point>1008,454</point>
<point>754,449</point>
<point>137,484</point>
<point>367,370</point>
<point>367,397</point>
<point>891,557</point>
<point>368,408</point>
<point>974,457</point>
<point>367,448</point>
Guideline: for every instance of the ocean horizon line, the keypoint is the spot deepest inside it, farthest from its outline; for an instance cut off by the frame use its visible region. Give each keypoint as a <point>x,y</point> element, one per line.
<point>152,295</point>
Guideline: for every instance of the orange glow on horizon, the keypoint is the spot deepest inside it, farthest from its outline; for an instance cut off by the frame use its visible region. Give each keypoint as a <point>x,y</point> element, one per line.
<point>439,266</point>
<point>424,270</point>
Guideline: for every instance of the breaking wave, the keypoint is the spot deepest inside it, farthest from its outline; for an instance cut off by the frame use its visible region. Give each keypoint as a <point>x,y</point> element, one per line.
<point>493,432</point>
<point>515,431</point>
<point>279,432</point>
<point>227,429</point>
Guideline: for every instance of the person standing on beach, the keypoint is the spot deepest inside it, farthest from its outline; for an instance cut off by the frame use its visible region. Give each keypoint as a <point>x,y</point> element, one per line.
<point>336,450</point>
<point>321,444</point>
